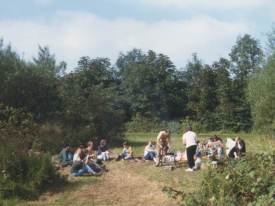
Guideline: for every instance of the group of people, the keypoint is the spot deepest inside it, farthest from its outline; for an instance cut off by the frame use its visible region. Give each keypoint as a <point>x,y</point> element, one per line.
<point>213,148</point>
<point>89,161</point>
<point>85,160</point>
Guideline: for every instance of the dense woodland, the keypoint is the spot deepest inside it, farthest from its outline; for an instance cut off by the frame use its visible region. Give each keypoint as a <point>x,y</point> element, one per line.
<point>44,104</point>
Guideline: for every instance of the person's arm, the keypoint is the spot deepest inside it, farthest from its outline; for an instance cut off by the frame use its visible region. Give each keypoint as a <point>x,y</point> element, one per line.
<point>158,137</point>
<point>169,140</point>
<point>61,156</point>
<point>130,151</point>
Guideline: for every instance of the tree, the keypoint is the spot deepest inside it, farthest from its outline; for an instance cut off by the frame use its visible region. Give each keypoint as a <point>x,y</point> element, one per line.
<point>224,94</point>
<point>260,91</point>
<point>246,58</point>
<point>193,78</point>
<point>35,93</point>
<point>10,63</point>
<point>151,85</point>
<point>46,63</point>
<point>91,101</point>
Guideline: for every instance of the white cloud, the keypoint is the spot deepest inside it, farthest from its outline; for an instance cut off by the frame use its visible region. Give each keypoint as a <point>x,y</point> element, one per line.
<point>208,4</point>
<point>71,35</point>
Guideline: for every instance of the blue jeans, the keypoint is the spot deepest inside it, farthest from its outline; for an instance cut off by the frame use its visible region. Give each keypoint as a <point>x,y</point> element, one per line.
<point>85,169</point>
<point>150,155</point>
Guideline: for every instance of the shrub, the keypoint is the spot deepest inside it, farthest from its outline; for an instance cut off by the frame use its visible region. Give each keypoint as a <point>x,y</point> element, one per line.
<point>27,176</point>
<point>22,174</point>
<point>249,181</point>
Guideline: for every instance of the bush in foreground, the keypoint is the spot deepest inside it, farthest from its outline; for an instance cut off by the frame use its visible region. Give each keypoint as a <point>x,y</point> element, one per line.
<point>27,176</point>
<point>247,181</point>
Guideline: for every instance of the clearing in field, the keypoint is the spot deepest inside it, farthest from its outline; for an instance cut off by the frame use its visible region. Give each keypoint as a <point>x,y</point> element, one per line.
<point>130,183</point>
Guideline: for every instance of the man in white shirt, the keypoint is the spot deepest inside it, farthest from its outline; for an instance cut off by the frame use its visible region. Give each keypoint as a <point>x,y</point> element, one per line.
<point>189,139</point>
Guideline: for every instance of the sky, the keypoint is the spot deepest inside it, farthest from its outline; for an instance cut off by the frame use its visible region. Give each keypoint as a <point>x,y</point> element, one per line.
<point>104,28</point>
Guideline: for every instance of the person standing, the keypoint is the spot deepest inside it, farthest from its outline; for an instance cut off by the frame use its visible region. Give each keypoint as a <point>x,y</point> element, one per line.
<point>163,145</point>
<point>189,139</point>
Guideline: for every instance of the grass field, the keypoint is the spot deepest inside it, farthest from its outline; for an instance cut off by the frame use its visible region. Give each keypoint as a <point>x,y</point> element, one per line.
<point>138,183</point>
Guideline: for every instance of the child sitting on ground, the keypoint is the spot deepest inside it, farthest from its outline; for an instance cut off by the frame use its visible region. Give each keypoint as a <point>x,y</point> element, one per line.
<point>150,152</point>
<point>198,155</point>
<point>127,153</point>
<point>102,151</point>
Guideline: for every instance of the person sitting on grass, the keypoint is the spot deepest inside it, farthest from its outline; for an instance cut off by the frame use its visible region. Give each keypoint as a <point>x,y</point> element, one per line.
<point>80,165</point>
<point>216,148</point>
<point>150,152</point>
<point>198,155</point>
<point>90,150</point>
<point>91,158</point>
<point>127,153</point>
<point>102,151</point>
<point>65,156</point>
<point>239,149</point>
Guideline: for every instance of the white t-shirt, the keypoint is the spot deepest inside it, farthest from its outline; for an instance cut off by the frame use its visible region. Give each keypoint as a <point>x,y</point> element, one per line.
<point>189,138</point>
<point>76,157</point>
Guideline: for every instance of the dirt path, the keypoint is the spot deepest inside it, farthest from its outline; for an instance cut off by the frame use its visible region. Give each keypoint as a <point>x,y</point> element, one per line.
<point>118,187</point>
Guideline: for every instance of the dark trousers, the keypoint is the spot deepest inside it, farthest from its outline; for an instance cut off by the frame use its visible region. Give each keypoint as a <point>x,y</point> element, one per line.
<point>191,151</point>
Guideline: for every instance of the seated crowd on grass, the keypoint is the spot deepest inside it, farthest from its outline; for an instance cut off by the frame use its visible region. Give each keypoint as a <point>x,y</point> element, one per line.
<point>85,161</point>
<point>89,161</point>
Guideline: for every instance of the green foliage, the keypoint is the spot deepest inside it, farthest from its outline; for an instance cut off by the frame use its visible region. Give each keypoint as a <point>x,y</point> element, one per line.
<point>38,94</point>
<point>17,129</point>
<point>246,58</point>
<point>149,81</point>
<point>248,181</point>
<point>262,97</point>
<point>22,175</point>
<point>26,176</point>
<point>91,100</point>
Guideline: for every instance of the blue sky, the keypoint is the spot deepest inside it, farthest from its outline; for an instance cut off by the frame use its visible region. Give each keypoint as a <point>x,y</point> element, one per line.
<point>103,28</point>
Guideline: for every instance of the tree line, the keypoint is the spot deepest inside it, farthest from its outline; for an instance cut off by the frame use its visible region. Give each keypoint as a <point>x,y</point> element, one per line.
<point>97,98</point>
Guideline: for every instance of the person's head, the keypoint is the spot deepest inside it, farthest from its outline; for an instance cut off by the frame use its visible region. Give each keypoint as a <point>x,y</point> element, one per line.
<point>215,138</point>
<point>66,147</point>
<point>103,142</point>
<point>188,128</point>
<point>167,131</point>
<point>90,144</point>
<point>237,139</point>
<point>153,142</point>
<point>150,143</point>
<point>79,151</point>
<point>125,145</point>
